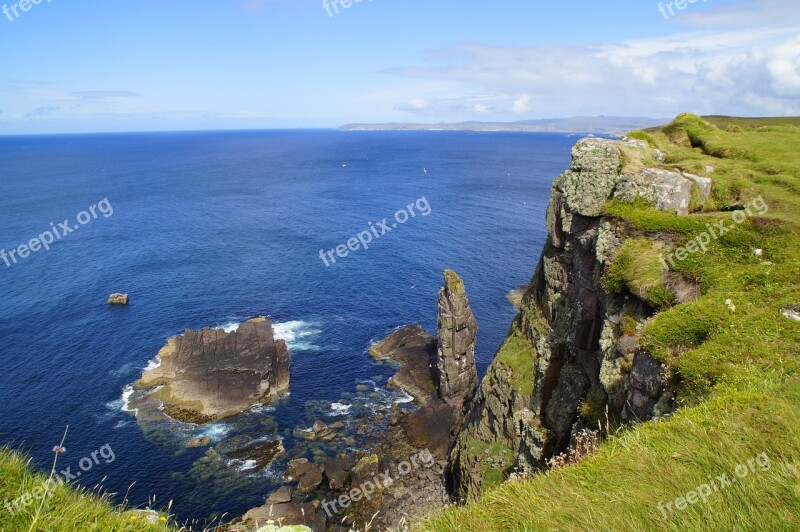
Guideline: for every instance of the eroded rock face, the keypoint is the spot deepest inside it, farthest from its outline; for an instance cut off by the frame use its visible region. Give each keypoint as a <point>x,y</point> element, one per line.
<point>210,374</point>
<point>573,341</point>
<point>456,373</point>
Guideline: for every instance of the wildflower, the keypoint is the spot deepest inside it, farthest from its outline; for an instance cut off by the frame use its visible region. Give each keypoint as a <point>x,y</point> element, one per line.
<point>162,519</point>
<point>59,449</point>
<point>730,305</point>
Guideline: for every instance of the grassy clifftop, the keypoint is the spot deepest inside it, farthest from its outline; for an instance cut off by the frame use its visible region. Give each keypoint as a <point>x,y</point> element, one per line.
<point>65,508</point>
<point>729,458</point>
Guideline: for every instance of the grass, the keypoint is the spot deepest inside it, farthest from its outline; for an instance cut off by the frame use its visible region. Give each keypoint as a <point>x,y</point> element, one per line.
<point>517,354</point>
<point>67,508</point>
<point>637,269</point>
<point>733,361</point>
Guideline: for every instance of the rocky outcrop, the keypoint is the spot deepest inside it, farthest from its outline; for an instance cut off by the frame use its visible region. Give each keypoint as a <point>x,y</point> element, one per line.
<point>572,354</point>
<point>118,299</point>
<point>456,375</point>
<point>209,374</point>
<point>415,351</point>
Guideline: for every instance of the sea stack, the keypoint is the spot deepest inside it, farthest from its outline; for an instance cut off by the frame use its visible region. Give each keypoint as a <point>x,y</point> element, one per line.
<point>456,375</point>
<point>210,374</point>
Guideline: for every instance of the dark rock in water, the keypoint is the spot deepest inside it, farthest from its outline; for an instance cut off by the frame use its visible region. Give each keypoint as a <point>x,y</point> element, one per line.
<point>198,442</point>
<point>281,496</point>
<point>338,471</point>
<point>457,375</point>
<point>307,475</point>
<point>210,374</point>
<point>415,350</point>
<point>263,453</point>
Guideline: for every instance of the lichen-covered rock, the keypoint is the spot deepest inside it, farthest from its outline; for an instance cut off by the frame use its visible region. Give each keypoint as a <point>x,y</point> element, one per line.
<point>581,338</point>
<point>648,382</point>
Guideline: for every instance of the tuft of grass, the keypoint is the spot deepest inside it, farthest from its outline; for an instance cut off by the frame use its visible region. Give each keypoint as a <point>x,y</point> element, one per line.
<point>637,269</point>
<point>517,354</point>
<point>642,135</point>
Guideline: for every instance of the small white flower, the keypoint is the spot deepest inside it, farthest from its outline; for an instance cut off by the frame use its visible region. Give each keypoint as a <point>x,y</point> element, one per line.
<point>758,252</point>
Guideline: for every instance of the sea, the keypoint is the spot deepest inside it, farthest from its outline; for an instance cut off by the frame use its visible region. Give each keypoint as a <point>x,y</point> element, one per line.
<point>209,229</point>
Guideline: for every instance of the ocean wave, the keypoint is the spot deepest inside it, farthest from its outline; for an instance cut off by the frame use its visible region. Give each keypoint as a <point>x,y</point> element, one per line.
<point>125,400</point>
<point>405,398</point>
<point>340,409</point>
<point>215,431</point>
<point>229,327</point>
<point>153,364</point>
<point>299,335</point>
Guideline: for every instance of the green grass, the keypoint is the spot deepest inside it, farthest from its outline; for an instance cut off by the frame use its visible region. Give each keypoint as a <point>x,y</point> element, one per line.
<point>495,459</point>
<point>637,269</point>
<point>621,487</point>
<point>733,361</point>
<point>66,508</point>
<point>517,354</point>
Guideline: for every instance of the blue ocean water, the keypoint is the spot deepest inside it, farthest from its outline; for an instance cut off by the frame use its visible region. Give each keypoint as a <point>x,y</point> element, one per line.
<point>209,229</point>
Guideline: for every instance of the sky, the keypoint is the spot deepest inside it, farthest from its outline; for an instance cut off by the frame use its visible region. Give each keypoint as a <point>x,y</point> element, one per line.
<point>124,65</point>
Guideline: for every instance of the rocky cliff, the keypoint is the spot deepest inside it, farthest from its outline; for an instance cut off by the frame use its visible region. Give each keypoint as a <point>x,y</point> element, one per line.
<point>571,361</point>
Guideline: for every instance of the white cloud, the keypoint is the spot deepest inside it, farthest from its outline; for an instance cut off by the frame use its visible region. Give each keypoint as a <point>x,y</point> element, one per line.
<point>731,72</point>
<point>522,105</point>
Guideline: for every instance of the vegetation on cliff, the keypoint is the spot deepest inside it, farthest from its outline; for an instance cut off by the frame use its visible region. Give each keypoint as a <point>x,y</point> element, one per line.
<point>731,352</point>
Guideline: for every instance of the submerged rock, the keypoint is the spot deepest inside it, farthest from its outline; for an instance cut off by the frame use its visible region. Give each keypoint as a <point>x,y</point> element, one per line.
<point>262,454</point>
<point>210,374</point>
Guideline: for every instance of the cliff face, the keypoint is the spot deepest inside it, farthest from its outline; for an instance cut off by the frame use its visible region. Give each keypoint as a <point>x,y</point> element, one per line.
<point>571,359</point>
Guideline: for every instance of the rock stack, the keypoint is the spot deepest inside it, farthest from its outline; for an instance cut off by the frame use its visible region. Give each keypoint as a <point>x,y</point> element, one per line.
<point>456,375</point>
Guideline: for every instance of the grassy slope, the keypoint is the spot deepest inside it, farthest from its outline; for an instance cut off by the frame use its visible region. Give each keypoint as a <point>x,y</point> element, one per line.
<point>66,509</point>
<point>735,371</point>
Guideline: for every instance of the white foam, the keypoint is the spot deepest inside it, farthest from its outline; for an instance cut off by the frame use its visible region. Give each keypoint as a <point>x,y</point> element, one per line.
<point>153,364</point>
<point>299,335</point>
<point>405,399</point>
<point>215,431</point>
<point>127,392</point>
<point>229,327</point>
<point>248,465</point>
<point>339,409</point>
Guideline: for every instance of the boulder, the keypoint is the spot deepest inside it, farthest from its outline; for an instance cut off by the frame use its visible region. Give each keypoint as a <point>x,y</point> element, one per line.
<point>282,495</point>
<point>118,299</point>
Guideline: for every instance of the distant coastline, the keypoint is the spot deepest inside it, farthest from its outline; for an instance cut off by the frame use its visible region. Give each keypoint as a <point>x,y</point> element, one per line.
<point>610,125</point>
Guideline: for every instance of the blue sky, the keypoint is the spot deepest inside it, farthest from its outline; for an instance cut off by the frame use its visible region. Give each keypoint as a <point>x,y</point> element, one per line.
<point>92,65</point>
